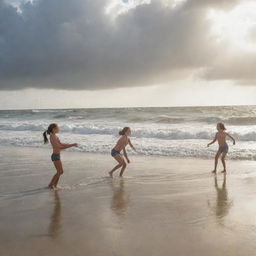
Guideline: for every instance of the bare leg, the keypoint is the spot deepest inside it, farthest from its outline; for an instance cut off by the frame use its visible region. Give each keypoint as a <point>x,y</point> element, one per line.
<point>53,181</point>
<point>58,165</point>
<point>122,170</point>
<point>223,161</point>
<point>114,169</point>
<point>120,161</point>
<point>56,177</point>
<point>216,161</point>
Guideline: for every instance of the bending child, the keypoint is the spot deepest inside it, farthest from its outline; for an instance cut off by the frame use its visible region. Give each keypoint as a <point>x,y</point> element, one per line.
<point>116,151</point>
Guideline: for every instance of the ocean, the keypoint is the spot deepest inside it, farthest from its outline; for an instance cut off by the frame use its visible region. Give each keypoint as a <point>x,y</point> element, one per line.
<point>169,131</point>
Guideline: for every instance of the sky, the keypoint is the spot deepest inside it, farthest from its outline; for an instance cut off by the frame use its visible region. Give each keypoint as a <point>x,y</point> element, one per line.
<point>126,53</point>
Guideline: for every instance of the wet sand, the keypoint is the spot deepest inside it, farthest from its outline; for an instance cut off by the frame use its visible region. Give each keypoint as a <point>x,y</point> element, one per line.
<point>162,206</point>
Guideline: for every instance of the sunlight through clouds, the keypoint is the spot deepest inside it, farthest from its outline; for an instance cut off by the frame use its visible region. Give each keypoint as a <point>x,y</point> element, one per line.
<point>114,8</point>
<point>234,26</point>
<point>113,50</point>
<point>173,3</point>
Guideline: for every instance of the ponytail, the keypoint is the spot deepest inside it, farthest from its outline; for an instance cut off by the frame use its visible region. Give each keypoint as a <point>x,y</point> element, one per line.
<point>48,131</point>
<point>124,130</point>
<point>45,137</point>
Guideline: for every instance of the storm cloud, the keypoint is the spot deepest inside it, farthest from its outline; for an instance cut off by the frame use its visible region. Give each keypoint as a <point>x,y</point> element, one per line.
<point>75,45</point>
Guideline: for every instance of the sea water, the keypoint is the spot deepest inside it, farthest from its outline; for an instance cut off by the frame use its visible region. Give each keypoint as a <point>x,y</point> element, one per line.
<point>170,131</point>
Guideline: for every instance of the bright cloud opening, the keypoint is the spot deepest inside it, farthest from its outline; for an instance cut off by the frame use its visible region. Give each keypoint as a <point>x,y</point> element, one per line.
<point>114,8</point>
<point>235,26</point>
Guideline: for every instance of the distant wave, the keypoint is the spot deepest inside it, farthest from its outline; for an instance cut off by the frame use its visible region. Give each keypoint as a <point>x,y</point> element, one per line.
<point>60,116</point>
<point>247,120</point>
<point>156,119</point>
<point>22,127</point>
<point>234,115</point>
<point>166,134</point>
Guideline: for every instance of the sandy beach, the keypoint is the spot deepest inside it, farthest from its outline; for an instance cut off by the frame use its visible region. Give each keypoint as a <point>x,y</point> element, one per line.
<point>167,84</point>
<point>162,206</point>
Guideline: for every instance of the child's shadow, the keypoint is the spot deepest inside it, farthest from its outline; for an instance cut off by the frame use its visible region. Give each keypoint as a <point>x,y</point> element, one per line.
<point>223,204</point>
<point>55,223</point>
<point>120,201</point>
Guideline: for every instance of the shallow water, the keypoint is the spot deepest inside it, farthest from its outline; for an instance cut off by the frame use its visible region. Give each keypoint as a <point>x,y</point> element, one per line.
<point>162,206</point>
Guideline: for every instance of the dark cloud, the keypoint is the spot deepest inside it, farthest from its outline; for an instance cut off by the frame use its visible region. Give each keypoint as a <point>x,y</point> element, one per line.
<point>75,45</point>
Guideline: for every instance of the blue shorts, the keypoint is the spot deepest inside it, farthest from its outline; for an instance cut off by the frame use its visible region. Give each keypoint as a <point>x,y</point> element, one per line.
<point>115,152</point>
<point>55,157</point>
<point>223,149</point>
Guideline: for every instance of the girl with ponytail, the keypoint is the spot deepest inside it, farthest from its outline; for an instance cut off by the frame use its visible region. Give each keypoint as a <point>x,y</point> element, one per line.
<point>116,151</point>
<point>57,146</point>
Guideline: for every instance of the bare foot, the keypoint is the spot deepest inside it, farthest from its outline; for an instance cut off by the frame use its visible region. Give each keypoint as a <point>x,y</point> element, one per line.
<point>110,174</point>
<point>214,171</point>
<point>224,171</point>
<point>50,187</point>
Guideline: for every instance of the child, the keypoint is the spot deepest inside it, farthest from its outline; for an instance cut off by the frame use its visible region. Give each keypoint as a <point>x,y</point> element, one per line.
<point>116,151</point>
<point>223,146</point>
<point>57,146</point>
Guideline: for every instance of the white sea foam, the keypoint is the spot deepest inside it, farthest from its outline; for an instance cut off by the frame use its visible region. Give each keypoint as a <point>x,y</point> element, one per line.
<point>181,132</point>
<point>174,132</point>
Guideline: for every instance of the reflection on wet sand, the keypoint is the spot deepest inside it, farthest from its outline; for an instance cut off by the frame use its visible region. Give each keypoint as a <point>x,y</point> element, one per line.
<point>120,200</point>
<point>55,224</point>
<point>223,204</point>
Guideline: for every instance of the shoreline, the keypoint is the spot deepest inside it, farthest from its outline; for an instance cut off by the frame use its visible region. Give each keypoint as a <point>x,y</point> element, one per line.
<point>184,106</point>
<point>132,154</point>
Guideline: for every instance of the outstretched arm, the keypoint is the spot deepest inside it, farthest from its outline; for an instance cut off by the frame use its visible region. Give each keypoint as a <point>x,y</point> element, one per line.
<point>232,138</point>
<point>129,141</point>
<point>64,146</point>
<point>215,138</point>
<point>60,145</point>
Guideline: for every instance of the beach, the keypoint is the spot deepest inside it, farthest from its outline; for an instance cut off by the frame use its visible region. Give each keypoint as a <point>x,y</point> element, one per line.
<point>162,206</point>
<point>162,92</point>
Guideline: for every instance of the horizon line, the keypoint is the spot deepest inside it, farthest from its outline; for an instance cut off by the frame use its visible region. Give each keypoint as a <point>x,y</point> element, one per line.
<point>183,106</point>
